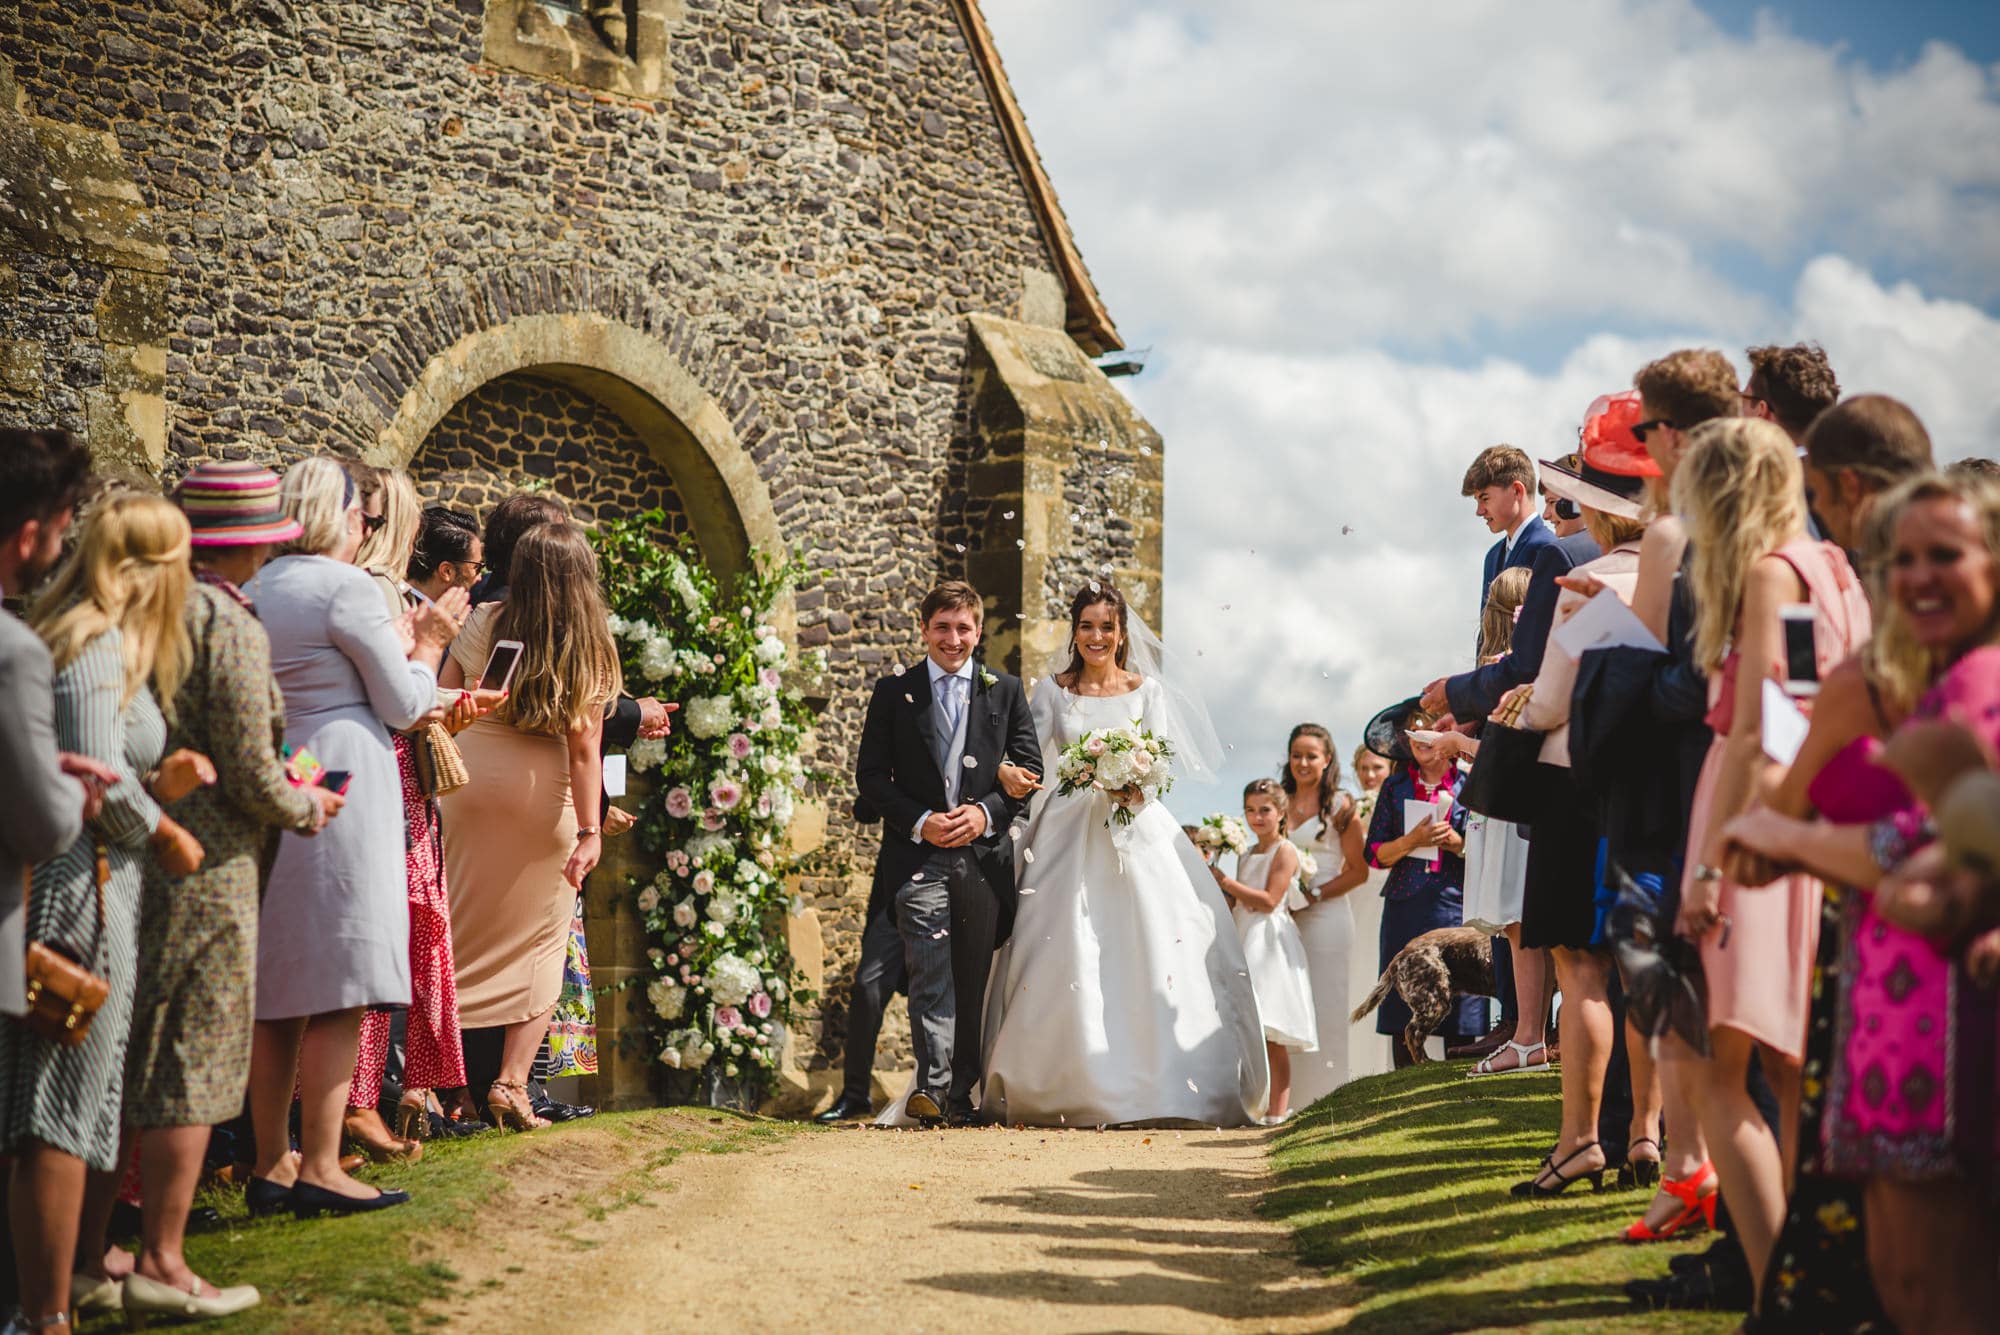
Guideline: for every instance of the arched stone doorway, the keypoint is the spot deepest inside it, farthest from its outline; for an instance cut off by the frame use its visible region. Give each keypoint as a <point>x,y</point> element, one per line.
<point>602,415</point>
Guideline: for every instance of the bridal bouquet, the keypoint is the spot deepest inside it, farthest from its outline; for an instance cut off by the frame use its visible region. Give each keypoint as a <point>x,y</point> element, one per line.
<point>1128,765</point>
<point>1221,834</point>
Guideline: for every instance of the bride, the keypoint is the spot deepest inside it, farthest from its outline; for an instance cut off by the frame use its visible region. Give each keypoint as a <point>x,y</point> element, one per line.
<point>1122,995</point>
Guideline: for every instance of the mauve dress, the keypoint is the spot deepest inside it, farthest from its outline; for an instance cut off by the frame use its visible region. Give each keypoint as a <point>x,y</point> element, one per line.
<point>1913,1094</point>
<point>334,933</point>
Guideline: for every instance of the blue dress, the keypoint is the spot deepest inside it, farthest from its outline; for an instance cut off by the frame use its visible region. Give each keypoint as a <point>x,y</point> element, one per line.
<point>1419,897</point>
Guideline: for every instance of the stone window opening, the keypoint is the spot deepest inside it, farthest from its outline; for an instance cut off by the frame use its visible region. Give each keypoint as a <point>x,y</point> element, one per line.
<point>616,46</point>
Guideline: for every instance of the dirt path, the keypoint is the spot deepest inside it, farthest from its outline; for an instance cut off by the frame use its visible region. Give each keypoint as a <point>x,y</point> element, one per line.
<point>887,1232</point>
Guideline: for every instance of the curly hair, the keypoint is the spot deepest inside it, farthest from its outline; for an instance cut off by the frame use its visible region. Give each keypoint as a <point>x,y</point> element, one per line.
<point>1796,383</point>
<point>1689,387</point>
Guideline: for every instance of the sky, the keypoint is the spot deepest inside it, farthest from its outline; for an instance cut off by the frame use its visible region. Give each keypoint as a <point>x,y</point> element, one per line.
<point>1365,241</point>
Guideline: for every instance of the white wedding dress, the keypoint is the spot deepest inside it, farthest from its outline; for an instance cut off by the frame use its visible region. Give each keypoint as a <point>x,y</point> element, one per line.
<point>1122,996</point>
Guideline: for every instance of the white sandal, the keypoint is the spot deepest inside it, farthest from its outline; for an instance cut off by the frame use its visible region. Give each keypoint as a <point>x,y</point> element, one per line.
<point>1522,1065</point>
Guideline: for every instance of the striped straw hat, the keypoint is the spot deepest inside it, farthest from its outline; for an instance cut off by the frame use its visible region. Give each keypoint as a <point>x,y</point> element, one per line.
<point>235,505</point>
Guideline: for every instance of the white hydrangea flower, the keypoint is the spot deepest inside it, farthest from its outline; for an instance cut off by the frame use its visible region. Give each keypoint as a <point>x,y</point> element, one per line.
<point>683,586</point>
<point>748,872</point>
<point>724,909</point>
<point>731,979</point>
<point>770,650</point>
<point>647,753</point>
<point>657,658</point>
<point>669,1000</point>
<point>710,716</point>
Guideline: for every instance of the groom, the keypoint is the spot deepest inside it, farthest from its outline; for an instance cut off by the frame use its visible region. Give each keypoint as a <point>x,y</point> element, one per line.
<point>929,763</point>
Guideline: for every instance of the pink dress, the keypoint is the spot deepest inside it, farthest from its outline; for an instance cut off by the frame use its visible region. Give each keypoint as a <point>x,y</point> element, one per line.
<point>1914,1093</point>
<point>1759,964</point>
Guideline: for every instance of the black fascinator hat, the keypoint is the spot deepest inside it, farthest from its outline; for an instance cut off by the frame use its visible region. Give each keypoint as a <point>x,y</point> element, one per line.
<point>1384,734</point>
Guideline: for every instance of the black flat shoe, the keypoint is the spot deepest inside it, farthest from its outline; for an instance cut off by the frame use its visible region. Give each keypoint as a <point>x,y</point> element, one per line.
<point>845,1109</point>
<point>309,1201</point>
<point>554,1110</point>
<point>265,1197</point>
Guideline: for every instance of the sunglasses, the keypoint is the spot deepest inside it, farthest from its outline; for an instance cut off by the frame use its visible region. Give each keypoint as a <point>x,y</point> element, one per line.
<point>1639,429</point>
<point>478,567</point>
<point>373,523</point>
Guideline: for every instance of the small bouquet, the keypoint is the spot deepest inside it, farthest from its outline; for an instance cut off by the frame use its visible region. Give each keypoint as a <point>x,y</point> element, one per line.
<point>1221,833</point>
<point>1128,765</point>
<point>1308,867</point>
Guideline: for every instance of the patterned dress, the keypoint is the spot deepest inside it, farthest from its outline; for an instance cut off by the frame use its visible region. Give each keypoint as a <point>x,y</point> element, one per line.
<point>69,1098</point>
<point>190,1053</point>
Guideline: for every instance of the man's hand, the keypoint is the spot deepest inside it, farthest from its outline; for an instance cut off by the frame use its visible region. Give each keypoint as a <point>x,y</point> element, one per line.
<point>655,717</point>
<point>1435,701</point>
<point>955,829</point>
<point>975,817</point>
<point>179,774</point>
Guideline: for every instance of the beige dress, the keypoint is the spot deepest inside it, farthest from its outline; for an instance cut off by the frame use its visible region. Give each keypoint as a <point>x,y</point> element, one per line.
<point>507,834</point>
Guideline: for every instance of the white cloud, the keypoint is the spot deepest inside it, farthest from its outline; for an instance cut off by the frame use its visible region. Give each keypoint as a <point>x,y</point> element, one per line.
<point>1336,219</point>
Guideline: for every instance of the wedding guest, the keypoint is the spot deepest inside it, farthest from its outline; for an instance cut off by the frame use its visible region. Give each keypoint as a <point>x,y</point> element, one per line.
<point>1317,817</point>
<point>390,515</point>
<point>1261,890</point>
<point>189,1058</point>
<point>1978,467</point>
<point>1911,1107</point>
<point>333,934</point>
<point>522,834</point>
<point>1563,516</point>
<point>1791,386</point>
<point>1496,863</point>
<point>512,517</point>
<point>1858,449</point>
<point>1367,1054</point>
<point>1564,906</point>
<point>42,475</point>
<point>450,553</point>
<point>1501,482</point>
<point>1422,893</point>
<point>1743,497</point>
<point>111,621</point>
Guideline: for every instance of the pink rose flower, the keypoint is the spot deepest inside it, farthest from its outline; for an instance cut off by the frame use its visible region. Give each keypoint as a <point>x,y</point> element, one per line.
<point>739,746</point>
<point>704,882</point>
<point>680,803</point>
<point>726,793</point>
<point>760,1004</point>
<point>763,804</point>
<point>771,677</point>
<point>727,1018</point>
<point>1094,747</point>
<point>711,819</point>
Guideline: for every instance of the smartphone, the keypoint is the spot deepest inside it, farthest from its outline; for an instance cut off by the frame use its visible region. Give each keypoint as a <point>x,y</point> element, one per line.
<point>1801,655</point>
<point>500,665</point>
<point>336,780</point>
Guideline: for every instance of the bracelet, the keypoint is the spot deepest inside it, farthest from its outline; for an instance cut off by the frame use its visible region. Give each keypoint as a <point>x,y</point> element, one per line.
<point>585,831</point>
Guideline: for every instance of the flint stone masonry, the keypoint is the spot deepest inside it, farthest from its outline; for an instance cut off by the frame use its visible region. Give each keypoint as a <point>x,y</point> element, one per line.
<point>780,267</point>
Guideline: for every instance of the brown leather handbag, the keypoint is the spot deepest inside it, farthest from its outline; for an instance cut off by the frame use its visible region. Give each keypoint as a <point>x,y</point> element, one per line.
<point>63,996</point>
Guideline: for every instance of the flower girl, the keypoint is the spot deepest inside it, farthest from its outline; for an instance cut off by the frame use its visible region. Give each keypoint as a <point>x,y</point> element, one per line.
<point>1265,880</point>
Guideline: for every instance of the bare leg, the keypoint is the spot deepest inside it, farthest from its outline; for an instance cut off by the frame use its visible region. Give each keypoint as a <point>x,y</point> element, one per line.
<point>1745,1152</point>
<point>1787,1081</point>
<point>1931,1248</point>
<point>1646,1097</point>
<point>1281,1078</point>
<point>1583,978</point>
<point>100,1198</point>
<point>1686,1147</point>
<point>274,1071</point>
<point>169,1170</point>
<point>326,1067</point>
<point>1531,990</point>
<point>517,1052</point>
<point>44,1209</point>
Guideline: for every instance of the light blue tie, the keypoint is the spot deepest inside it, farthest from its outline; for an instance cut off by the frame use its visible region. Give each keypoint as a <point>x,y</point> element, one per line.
<point>952,707</point>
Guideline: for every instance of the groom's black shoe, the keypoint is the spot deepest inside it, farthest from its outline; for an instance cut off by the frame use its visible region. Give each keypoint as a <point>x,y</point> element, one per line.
<point>845,1109</point>
<point>925,1109</point>
<point>963,1114</point>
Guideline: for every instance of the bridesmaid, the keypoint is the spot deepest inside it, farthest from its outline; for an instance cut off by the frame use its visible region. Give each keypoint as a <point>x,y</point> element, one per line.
<point>1367,1053</point>
<point>1318,815</point>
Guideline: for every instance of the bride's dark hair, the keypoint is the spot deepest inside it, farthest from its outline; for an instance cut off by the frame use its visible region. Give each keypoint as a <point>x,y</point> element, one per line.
<point>1100,593</point>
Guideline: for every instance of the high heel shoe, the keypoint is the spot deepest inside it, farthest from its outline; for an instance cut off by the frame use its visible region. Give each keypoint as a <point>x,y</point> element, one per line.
<point>148,1297</point>
<point>1696,1208</point>
<point>515,1116</point>
<point>413,1120</point>
<point>364,1126</point>
<point>1533,1187</point>
<point>1639,1172</point>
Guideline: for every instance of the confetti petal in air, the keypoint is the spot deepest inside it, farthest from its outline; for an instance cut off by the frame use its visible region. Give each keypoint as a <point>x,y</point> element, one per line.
<point>1196,1088</point>
<point>1027,889</point>
<point>972,762</point>
<point>1029,855</point>
<point>960,546</point>
<point>1020,544</point>
<point>1008,515</point>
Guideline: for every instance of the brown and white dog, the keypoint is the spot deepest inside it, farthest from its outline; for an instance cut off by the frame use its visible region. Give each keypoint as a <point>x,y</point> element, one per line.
<point>1429,974</point>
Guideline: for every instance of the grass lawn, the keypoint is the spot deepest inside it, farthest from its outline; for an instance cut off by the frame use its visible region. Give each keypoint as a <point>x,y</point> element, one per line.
<point>372,1272</point>
<point>1399,1184</point>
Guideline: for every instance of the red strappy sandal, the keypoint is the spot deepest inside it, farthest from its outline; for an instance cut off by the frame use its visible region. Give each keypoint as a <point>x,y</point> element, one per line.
<point>1696,1208</point>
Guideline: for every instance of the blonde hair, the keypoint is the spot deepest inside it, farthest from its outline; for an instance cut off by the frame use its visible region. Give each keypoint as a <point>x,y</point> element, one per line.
<point>129,573</point>
<point>1609,530</point>
<point>318,493</point>
<point>388,548</point>
<point>1741,491</point>
<point>1504,597</point>
<point>569,662</point>
<point>1894,658</point>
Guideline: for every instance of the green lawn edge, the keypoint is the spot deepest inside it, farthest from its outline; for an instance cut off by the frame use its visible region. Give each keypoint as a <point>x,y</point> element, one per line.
<point>379,1272</point>
<point>1396,1185</point>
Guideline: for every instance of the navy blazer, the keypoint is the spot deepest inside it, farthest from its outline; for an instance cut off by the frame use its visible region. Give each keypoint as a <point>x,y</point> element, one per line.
<point>1535,535</point>
<point>1473,695</point>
